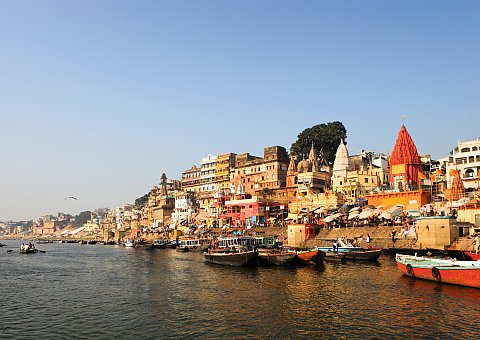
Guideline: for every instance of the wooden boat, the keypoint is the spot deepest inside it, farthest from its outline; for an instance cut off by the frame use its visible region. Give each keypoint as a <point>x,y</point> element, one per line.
<point>159,244</point>
<point>26,250</point>
<point>354,254</point>
<point>464,273</point>
<point>182,249</point>
<point>130,243</point>
<point>310,255</point>
<point>172,244</point>
<point>196,244</point>
<point>472,256</point>
<point>232,257</point>
<point>268,257</point>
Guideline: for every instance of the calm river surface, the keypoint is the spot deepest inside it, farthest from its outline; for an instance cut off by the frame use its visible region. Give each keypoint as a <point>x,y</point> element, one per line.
<point>106,292</point>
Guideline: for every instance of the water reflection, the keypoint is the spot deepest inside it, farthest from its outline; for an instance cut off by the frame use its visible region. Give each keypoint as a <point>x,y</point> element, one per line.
<point>99,291</point>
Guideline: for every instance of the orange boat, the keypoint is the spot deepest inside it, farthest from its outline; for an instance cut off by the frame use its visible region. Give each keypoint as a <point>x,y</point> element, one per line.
<point>464,273</point>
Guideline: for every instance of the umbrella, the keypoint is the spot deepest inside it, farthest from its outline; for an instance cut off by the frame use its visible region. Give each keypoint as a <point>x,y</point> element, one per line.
<point>386,215</point>
<point>328,219</point>
<point>353,215</point>
<point>337,215</point>
<point>365,214</point>
<point>354,209</point>
<point>396,212</point>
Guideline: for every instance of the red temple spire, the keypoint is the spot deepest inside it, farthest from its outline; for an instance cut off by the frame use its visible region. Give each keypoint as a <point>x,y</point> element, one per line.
<point>405,163</point>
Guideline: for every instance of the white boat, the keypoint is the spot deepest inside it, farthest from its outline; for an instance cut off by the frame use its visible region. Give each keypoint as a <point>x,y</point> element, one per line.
<point>130,243</point>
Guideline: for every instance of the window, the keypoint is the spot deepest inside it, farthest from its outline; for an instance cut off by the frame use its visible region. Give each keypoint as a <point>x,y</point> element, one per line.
<point>366,180</point>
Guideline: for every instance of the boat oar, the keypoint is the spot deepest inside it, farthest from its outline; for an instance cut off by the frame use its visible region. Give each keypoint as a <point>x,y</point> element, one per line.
<point>42,251</point>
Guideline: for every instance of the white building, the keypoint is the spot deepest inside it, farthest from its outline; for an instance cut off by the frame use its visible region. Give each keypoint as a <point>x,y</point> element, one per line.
<point>466,158</point>
<point>184,209</point>
<point>207,173</point>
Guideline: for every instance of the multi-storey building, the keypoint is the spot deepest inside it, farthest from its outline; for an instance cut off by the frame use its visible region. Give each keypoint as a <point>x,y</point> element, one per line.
<point>256,174</point>
<point>358,175</point>
<point>223,165</point>
<point>207,173</point>
<point>184,208</point>
<point>191,179</point>
<point>465,157</point>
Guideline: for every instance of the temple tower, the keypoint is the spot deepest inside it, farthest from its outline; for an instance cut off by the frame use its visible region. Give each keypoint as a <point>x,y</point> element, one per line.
<point>405,163</point>
<point>342,164</point>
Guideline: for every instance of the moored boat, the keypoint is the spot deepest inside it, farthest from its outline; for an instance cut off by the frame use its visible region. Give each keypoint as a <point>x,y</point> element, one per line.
<point>231,257</point>
<point>130,243</point>
<point>182,249</point>
<point>159,244</point>
<point>269,257</point>
<point>352,253</point>
<point>310,255</point>
<point>472,255</point>
<point>464,273</point>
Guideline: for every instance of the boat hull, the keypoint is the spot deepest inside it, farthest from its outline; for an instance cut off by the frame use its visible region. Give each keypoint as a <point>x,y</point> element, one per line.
<point>28,251</point>
<point>276,259</point>
<point>306,256</point>
<point>233,259</point>
<point>357,255</point>
<point>455,273</point>
<point>472,256</point>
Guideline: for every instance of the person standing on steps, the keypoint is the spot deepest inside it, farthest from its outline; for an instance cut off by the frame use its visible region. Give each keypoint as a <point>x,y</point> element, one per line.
<point>394,233</point>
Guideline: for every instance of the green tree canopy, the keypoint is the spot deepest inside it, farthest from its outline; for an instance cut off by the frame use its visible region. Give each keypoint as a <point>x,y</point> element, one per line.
<point>141,201</point>
<point>325,137</point>
<point>81,219</point>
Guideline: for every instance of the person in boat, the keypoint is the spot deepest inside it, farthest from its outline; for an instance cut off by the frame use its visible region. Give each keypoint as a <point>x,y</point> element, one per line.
<point>30,245</point>
<point>368,239</point>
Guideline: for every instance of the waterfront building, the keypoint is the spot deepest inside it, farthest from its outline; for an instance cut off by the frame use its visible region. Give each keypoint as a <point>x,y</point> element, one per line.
<point>465,158</point>
<point>184,208</point>
<point>207,173</point>
<point>358,175</point>
<point>191,180</point>
<point>258,173</point>
<point>405,177</point>
<point>405,165</point>
<point>245,210</point>
<point>160,204</point>
<point>313,177</point>
<point>223,165</point>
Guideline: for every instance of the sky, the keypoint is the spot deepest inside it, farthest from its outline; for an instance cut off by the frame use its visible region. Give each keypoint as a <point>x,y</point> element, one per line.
<point>99,98</point>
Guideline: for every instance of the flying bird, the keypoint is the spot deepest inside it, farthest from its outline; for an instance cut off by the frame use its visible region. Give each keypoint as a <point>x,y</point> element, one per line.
<point>71,198</point>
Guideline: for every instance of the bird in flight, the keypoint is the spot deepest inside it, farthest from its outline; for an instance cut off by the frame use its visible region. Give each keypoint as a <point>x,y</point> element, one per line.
<point>71,198</point>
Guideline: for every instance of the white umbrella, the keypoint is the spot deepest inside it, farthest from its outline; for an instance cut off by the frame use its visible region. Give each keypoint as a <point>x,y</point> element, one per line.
<point>328,219</point>
<point>353,215</point>
<point>386,215</point>
<point>354,209</point>
<point>365,214</point>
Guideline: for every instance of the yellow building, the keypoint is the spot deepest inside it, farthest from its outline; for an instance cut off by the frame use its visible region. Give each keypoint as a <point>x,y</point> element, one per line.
<point>223,164</point>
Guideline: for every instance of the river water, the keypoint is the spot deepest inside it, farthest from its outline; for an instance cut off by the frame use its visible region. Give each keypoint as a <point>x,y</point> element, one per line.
<point>107,292</point>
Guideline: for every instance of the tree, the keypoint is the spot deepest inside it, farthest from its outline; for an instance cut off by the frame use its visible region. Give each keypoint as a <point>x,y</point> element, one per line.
<point>141,201</point>
<point>81,219</point>
<point>325,137</point>
<point>266,192</point>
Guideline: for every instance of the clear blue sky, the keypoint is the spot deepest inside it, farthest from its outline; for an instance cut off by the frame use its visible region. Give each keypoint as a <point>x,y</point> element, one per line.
<point>99,98</point>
